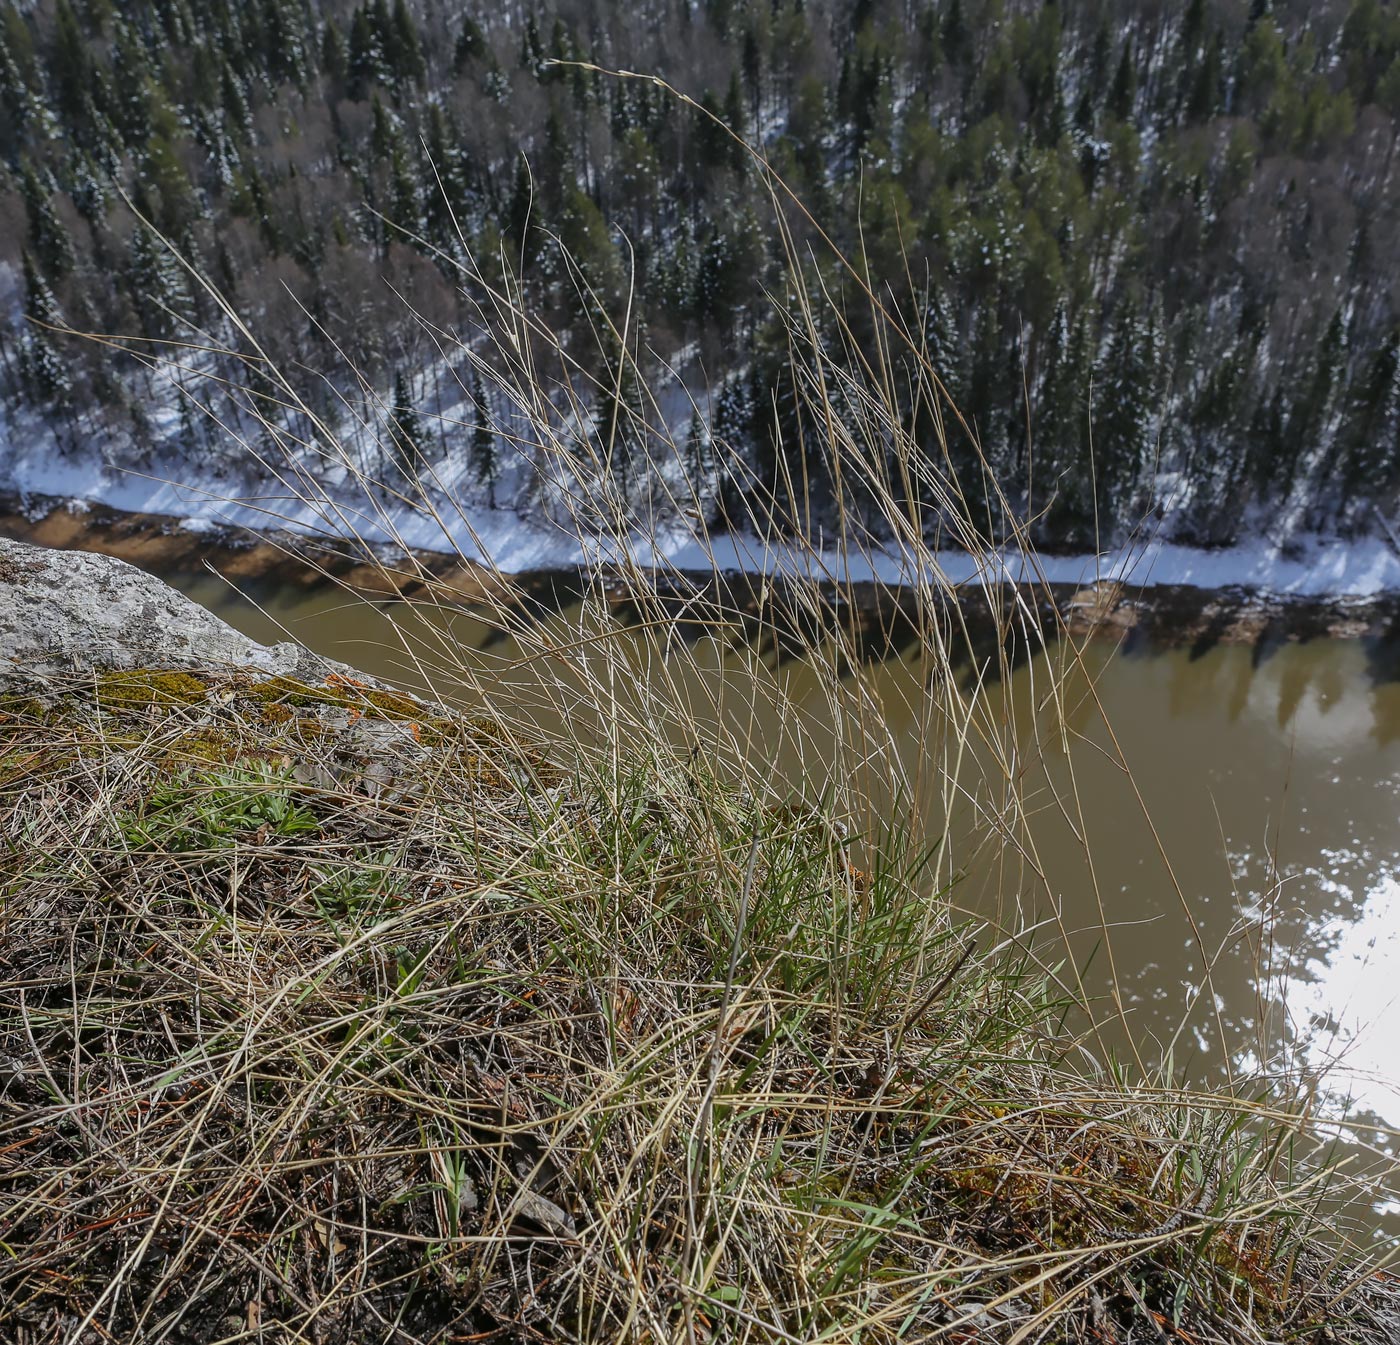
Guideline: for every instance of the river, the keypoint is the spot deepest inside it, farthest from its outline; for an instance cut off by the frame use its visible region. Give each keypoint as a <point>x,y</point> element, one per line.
<point>1240,916</point>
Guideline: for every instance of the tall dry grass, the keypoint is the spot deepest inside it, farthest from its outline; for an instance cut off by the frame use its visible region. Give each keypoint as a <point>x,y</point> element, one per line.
<point>567,1014</point>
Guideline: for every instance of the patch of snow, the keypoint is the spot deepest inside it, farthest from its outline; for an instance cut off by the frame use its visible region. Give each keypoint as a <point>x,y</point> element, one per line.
<point>516,541</point>
<point>543,524</point>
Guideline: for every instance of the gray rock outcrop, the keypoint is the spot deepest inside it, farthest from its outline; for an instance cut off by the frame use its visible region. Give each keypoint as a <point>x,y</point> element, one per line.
<point>68,612</point>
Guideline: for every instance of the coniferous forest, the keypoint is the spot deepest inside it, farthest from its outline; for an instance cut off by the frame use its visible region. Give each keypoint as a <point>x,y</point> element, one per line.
<point>1151,247</point>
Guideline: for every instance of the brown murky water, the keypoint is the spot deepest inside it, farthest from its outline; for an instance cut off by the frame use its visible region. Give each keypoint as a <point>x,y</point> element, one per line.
<point>1241,913</point>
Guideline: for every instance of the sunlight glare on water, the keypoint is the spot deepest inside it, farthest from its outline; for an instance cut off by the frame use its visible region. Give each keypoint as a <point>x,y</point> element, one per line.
<point>1344,1001</point>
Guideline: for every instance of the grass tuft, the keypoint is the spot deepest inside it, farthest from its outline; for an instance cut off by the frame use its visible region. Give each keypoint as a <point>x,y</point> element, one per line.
<point>615,1057</point>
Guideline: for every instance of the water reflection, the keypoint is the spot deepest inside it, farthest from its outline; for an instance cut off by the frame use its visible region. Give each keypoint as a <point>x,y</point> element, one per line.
<point>1343,1001</point>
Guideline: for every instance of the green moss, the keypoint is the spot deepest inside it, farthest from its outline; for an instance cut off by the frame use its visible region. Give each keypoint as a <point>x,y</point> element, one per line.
<point>266,719</point>
<point>203,745</point>
<point>146,686</point>
<point>483,729</point>
<point>280,690</point>
<point>22,708</point>
<point>336,690</point>
<point>392,705</point>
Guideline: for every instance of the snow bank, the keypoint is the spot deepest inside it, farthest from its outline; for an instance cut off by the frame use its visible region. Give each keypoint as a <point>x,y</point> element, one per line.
<point>514,542</point>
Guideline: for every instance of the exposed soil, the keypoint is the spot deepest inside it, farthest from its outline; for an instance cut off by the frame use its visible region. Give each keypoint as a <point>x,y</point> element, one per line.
<point>1159,616</point>
<point>159,544</point>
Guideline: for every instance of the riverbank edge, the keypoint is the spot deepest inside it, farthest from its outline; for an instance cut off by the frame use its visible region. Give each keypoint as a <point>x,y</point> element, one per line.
<point>1162,615</point>
<point>241,796</point>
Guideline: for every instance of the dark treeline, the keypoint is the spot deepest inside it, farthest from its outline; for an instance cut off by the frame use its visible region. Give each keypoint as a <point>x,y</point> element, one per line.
<point>1151,246</point>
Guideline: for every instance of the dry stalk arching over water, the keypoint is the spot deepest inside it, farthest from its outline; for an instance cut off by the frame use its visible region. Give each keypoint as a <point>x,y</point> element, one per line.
<point>336,1014</point>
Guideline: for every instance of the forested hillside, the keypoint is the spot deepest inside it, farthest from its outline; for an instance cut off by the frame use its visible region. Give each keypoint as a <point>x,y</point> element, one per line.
<point>1152,246</point>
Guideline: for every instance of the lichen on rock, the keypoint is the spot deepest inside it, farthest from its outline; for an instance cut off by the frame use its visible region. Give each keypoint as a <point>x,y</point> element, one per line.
<point>66,612</point>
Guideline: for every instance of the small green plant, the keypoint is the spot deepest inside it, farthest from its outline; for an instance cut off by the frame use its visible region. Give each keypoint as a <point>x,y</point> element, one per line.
<point>210,811</point>
<point>358,891</point>
<point>453,1162</point>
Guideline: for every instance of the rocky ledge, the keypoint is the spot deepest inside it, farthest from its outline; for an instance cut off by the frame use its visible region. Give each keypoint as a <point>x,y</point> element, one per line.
<point>86,630</point>
<point>69,612</point>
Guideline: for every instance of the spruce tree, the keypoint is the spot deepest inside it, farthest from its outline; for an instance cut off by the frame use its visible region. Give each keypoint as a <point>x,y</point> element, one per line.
<point>751,63</point>
<point>1311,423</point>
<point>1126,402</point>
<point>736,417</point>
<point>957,37</point>
<point>619,419</point>
<point>70,68</point>
<point>1193,28</point>
<point>730,260</point>
<point>386,136</point>
<point>405,208</point>
<point>408,62</point>
<point>1365,464</point>
<point>405,434</point>
<point>283,53</point>
<point>471,45</point>
<point>942,347</point>
<point>712,141</point>
<point>1268,448</point>
<point>44,375</point>
<point>335,60</point>
<point>699,456</point>
<point>676,271</point>
<point>132,112</point>
<point>519,230</point>
<point>366,59</point>
<point>1215,469</point>
<point>1204,99</point>
<point>233,97</point>
<point>561,47</point>
<point>981,465</point>
<point>720,14</point>
<point>556,167</point>
<point>588,243</point>
<point>809,127</point>
<point>1122,95</point>
<point>1100,59</point>
<point>485,454</point>
<point>445,201</point>
<point>157,285</point>
<point>532,53</point>
<point>49,239</point>
<point>1058,474</point>
<point>735,119</point>
<point>943,351</point>
<point>16,99</point>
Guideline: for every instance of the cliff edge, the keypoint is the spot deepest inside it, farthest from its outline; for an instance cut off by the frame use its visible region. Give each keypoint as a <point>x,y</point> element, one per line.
<point>69,612</point>
<point>327,1016</point>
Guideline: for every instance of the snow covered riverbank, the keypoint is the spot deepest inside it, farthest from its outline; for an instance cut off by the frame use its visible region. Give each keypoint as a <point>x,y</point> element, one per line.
<point>513,541</point>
